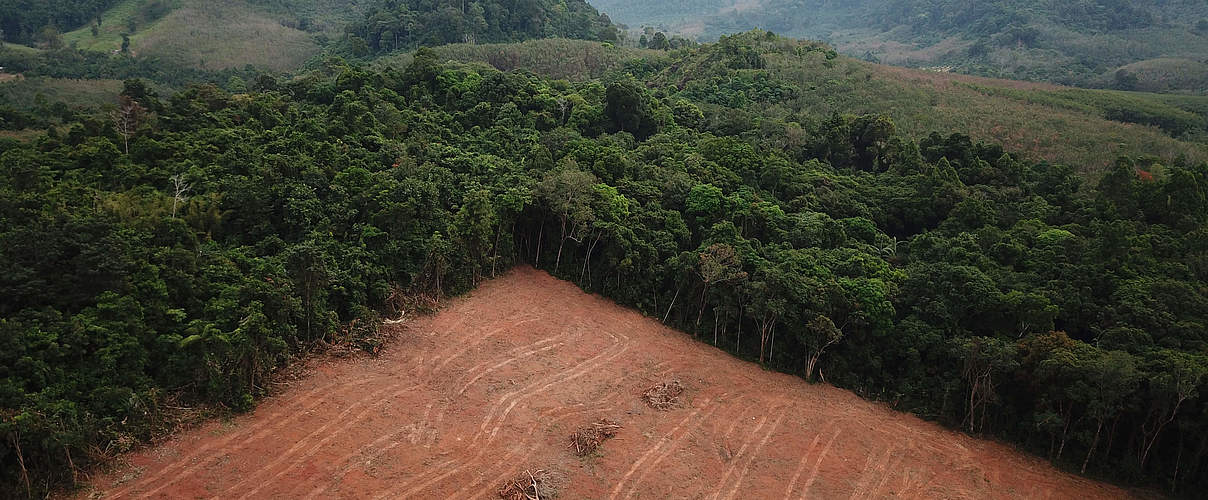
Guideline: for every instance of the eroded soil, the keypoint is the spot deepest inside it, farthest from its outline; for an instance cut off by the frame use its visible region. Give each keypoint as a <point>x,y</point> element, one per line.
<point>494,384</point>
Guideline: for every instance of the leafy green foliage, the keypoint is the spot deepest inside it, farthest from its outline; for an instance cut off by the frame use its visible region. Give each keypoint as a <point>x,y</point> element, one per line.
<point>403,24</point>
<point>948,277</point>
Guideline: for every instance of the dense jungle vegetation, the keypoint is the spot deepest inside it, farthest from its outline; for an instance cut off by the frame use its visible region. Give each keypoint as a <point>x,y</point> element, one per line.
<point>395,24</point>
<point>178,251</point>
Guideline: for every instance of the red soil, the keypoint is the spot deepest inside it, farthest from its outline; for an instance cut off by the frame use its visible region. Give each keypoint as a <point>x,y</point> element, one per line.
<point>494,384</point>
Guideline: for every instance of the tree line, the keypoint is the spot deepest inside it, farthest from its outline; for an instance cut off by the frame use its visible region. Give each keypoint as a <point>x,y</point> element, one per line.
<point>178,251</point>
<point>391,25</point>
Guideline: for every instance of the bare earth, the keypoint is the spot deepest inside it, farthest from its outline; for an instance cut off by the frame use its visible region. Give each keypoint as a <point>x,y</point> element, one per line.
<point>494,384</point>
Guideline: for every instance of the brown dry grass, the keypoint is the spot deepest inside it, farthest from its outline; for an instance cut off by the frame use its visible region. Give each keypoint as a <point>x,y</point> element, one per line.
<point>220,34</point>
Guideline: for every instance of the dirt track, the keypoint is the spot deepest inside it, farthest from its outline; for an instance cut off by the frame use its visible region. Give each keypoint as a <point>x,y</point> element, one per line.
<point>495,383</point>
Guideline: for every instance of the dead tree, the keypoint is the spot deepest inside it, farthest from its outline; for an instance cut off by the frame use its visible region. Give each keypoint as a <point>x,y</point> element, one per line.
<point>126,119</point>
<point>179,189</point>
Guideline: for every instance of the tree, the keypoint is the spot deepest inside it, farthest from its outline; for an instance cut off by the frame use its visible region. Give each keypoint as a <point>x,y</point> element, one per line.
<point>985,361</point>
<point>473,227</point>
<point>629,109</point>
<point>126,119</point>
<point>567,193</point>
<point>308,263</point>
<point>717,264</point>
<point>1174,380</point>
<point>180,188</point>
<point>660,42</point>
<point>817,336</point>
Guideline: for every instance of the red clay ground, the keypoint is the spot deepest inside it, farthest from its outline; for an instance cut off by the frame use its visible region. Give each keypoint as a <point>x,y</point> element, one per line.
<point>494,384</point>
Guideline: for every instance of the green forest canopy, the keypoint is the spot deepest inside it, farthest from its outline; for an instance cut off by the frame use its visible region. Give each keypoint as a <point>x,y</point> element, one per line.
<point>213,237</point>
<point>406,24</point>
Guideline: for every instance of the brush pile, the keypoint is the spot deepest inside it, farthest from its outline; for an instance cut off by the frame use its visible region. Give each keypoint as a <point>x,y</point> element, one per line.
<point>531,485</point>
<point>663,396</point>
<point>585,441</point>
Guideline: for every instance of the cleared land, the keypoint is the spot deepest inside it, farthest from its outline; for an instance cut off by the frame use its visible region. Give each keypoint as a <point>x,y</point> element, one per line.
<point>495,383</point>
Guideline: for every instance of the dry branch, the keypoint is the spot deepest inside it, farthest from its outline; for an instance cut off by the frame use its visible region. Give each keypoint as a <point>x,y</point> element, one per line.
<point>531,485</point>
<point>585,441</point>
<point>663,396</point>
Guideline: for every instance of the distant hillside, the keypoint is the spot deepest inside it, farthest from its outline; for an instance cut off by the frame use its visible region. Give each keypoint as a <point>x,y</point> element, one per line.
<point>1080,43</point>
<point>807,83</point>
<point>31,21</point>
<point>394,24</point>
<point>218,34</point>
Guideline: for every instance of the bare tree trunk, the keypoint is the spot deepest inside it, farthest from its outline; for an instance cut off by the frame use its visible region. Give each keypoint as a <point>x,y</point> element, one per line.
<point>71,464</point>
<point>558,261</point>
<point>772,348</point>
<point>587,261</point>
<point>1158,431</point>
<point>1094,443</point>
<point>21,461</point>
<point>1174,480</point>
<point>665,316</point>
<point>495,248</point>
<point>540,237</point>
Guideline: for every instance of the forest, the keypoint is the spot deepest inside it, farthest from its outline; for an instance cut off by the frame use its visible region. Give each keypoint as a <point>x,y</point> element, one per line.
<point>23,21</point>
<point>181,249</point>
<point>405,24</point>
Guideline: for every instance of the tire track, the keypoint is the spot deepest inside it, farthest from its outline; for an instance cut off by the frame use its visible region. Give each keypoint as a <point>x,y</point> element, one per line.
<point>740,455</point>
<point>557,378</point>
<point>283,456</point>
<point>657,446</point>
<point>344,461</point>
<point>801,465</point>
<point>569,373</point>
<point>805,491</point>
<point>886,473</point>
<point>501,364</point>
<point>256,431</point>
<point>346,425</point>
<point>742,475</point>
<point>478,341</point>
<point>556,415</point>
<point>670,449</point>
<point>871,472</point>
<point>503,417</point>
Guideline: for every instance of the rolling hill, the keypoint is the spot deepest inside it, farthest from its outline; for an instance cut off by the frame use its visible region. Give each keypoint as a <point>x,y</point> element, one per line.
<point>1083,128</point>
<point>1078,43</point>
<point>219,34</point>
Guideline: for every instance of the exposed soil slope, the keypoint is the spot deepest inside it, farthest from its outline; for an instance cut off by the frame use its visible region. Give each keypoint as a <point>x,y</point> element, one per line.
<point>495,383</point>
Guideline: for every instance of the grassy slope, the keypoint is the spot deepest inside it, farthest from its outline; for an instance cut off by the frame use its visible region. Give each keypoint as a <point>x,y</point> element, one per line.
<point>23,92</point>
<point>218,34</point>
<point>1058,56</point>
<point>1049,122</point>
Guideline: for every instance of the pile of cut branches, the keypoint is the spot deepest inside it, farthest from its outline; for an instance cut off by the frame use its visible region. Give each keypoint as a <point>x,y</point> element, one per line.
<point>531,485</point>
<point>585,441</point>
<point>663,396</point>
